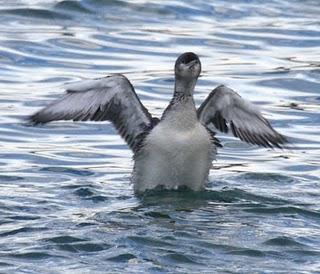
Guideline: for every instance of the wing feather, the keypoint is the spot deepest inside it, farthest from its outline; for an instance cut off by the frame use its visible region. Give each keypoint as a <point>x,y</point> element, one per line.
<point>111,98</point>
<point>226,110</point>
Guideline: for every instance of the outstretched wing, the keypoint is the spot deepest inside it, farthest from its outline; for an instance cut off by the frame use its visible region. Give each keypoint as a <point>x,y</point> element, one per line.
<point>226,110</point>
<point>111,98</point>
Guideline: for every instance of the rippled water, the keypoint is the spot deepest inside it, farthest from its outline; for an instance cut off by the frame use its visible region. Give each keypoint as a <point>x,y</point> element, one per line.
<point>66,203</point>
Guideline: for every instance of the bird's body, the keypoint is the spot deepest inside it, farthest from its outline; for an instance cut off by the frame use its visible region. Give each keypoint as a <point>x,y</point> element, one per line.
<point>178,149</point>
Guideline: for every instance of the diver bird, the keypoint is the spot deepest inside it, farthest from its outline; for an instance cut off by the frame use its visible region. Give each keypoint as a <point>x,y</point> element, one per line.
<point>177,149</point>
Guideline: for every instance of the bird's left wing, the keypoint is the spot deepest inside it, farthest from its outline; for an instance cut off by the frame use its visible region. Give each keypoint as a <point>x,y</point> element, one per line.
<point>226,110</point>
<point>111,98</point>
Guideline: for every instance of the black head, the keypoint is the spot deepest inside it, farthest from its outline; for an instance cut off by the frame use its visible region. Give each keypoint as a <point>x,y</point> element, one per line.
<point>188,66</point>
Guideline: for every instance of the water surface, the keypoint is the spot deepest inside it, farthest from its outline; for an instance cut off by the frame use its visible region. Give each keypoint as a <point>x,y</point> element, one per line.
<point>66,202</point>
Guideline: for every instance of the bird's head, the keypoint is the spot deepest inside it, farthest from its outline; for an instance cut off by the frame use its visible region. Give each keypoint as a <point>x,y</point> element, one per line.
<point>188,66</point>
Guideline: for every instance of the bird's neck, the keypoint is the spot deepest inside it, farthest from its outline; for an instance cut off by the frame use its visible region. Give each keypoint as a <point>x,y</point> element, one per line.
<point>181,113</point>
<point>182,106</point>
<point>184,87</point>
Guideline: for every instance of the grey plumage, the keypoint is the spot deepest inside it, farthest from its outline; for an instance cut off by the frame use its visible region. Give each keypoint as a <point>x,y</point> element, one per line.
<point>178,149</point>
<point>107,99</point>
<point>226,110</point>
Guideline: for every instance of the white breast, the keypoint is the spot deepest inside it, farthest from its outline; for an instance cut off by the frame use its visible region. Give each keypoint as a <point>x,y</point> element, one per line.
<point>177,152</point>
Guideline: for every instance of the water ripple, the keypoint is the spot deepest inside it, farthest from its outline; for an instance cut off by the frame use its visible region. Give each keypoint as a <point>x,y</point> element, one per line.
<point>66,200</point>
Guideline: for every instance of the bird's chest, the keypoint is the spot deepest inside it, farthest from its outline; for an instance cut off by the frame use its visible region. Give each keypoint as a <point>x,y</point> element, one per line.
<point>173,157</point>
<point>174,154</point>
<point>175,145</point>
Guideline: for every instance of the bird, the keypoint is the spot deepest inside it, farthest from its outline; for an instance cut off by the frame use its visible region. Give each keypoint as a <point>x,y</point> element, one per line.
<point>176,150</point>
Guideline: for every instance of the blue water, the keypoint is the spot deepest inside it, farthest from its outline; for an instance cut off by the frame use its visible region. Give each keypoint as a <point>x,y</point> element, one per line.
<point>66,202</point>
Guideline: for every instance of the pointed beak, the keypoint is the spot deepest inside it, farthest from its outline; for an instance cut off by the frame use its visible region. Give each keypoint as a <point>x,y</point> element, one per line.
<point>192,63</point>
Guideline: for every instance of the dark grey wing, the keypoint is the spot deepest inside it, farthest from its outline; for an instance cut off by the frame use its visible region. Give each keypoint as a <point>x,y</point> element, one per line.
<point>111,98</point>
<point>226,110</point>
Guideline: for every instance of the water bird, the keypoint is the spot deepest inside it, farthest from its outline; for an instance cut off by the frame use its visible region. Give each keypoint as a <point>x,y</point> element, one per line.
<point>176,150</point>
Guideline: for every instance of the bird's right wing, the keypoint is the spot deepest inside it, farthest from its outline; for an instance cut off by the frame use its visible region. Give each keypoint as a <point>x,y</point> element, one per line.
<point>111,98</point>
